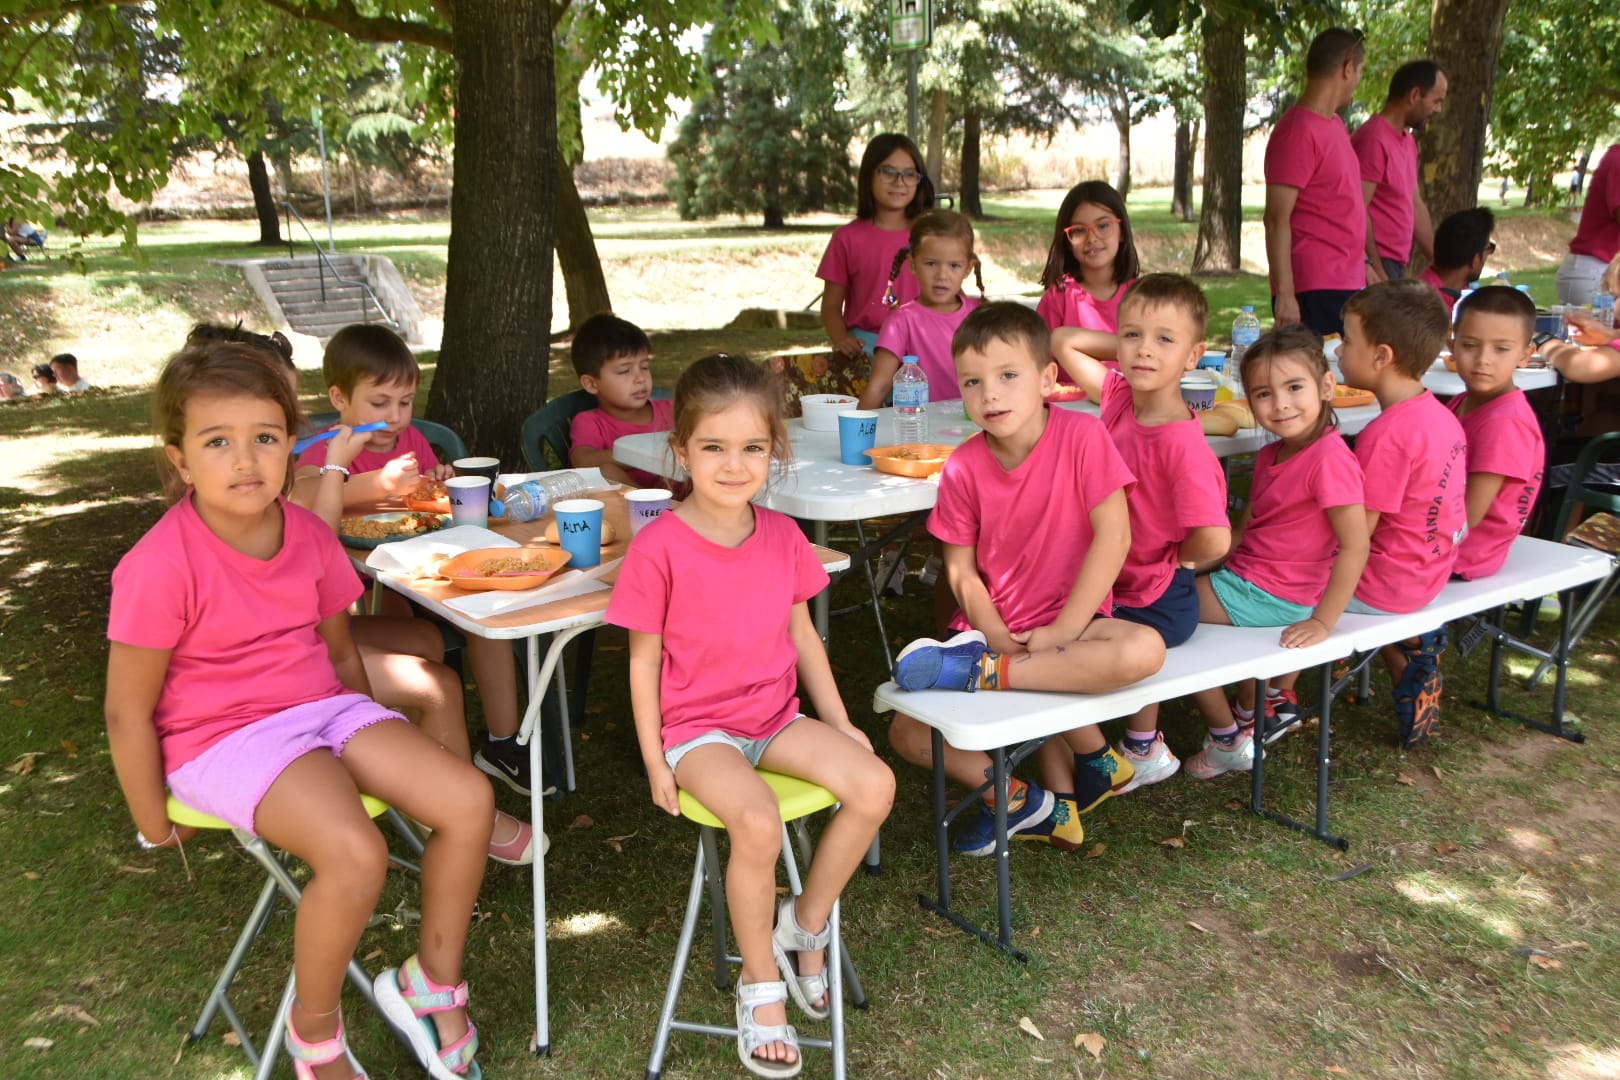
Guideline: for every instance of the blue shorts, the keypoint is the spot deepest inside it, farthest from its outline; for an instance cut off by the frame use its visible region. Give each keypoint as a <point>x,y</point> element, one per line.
<point>1174,614</point>
<point>1357,607</point>
<point>1247,604</point>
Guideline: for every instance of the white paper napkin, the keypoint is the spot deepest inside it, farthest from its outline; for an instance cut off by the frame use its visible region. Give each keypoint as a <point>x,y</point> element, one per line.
<point>559,587</point>
<point>407,556</point>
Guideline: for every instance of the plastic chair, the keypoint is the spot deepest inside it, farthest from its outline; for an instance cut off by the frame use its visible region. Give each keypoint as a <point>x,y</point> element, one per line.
<point>278,882</point>
<point>797,800</point>
<point>547,429</point>
<point>445,442</point>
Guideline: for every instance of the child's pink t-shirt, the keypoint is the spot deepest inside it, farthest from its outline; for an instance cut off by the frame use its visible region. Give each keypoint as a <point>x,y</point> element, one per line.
<point>1069,304</point>
<point>241,631</point>
<point>1313,155</point>
<point>410,441</point>
<point>1289,545</point>
<point>914,330</point>
<point>1030,527</point>
<point>1412,455</point>
<point>729,659</point>
<point>1389,160</point>
<point>595,428</point>
<point>1180,486</point>
<point>1429,277</point>
<point>858,257</point>
<point>1503,438</point>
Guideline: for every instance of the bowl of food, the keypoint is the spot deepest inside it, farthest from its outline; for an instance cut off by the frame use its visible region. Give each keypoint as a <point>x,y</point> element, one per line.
<point>918,460</point>
<point>1066,392</point>
<point>373,530</point>
<point>429,496</point>
<point>1350,397</point>
<point>1198,391</point>
<point>820,411</point>
<point>506,569</point>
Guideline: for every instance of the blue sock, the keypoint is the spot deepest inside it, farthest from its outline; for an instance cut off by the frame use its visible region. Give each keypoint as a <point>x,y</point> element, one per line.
<point>1225,737</point>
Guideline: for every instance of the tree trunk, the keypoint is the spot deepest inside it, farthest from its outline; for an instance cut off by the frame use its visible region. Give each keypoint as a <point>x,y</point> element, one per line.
<point>773,216</point>
<point>935,155</point>
<point>1181,175</point>
<point>497,303</point>
<point>576,252</point>
<point>264,202</point>
<point>1220,223</point>
<point>972,137</point>
<point>1122,125</point>
<point>1465,38</point>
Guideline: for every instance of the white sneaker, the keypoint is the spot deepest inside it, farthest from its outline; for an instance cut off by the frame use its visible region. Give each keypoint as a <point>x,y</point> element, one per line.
<point>1159,763</point>
<point>1216,760</point>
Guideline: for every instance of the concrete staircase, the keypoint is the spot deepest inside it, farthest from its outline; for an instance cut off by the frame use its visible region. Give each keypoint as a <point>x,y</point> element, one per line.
<point>291,290</point>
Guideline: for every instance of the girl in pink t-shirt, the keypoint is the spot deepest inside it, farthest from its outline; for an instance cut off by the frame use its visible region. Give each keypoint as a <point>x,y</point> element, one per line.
<point>1090,267</point>
<point>715,596</point>
<point>1300,545</point>
<point>891,191</point>
<point>941,256</point>
<point>232,680</point>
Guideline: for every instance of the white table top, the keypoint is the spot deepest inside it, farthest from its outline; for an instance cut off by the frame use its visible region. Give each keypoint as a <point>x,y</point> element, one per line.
<point>1449,384</point>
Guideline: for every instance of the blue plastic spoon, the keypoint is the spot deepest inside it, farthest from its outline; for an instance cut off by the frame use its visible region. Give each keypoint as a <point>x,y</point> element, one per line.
<point>304,444</point>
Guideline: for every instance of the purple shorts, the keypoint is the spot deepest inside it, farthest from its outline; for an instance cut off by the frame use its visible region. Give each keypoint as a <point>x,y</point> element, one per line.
<point>230,778</point>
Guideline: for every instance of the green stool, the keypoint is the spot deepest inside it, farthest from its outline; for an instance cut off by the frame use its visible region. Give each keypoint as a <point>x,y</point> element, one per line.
<point>277,882</point>
<point>797,799</point>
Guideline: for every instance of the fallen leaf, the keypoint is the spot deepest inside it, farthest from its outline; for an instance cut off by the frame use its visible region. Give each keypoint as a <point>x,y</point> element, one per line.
<point>1172,841</point>
<point>1035,933</point>
<point>1187,824</point>
<point>1546,962</point>
<point>71,747</point>
<point>1234,804</point>
<point>1337,1070</point>
<point>1438,775</point>
<point>231,1038</point>
<point>617,842</point>
<point>595,710</point>
<point>126,868</point>
<point>25,764</point>
<point>1446,847</point>
<point>19,702</point>
<point>1568,946</point>
<point>82,697</point>
<point>1095,850</point>
<point>1091,1042</point>
<point>37,1043</point>
<point>30,875</point>
<point>1027,1026</point>
<point>372,955</point>
<point>1402,778</point>
<point>72,1012</point>
<point>582,822</point>
<point>1197,927</point>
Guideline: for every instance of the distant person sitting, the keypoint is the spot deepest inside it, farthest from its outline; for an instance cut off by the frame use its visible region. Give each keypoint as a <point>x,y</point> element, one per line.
<point>20,235</point>
<point>1461,245</point>
<point>65,366</point>
<point>11,387</point>
<point>613,359</point>
<point>44,379</point>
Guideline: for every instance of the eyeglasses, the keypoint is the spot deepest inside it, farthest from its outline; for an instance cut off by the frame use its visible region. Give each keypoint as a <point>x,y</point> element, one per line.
<point>900,176</point>
<point>1490,247</point>
<point>1102,229</point>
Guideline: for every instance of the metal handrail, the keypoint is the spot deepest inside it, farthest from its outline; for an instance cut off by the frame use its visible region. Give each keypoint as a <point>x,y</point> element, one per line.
<point>325,265</point>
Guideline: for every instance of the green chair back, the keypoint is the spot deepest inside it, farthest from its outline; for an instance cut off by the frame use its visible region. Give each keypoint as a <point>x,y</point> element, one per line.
<point>1580,492</point>
<point>547,429</point>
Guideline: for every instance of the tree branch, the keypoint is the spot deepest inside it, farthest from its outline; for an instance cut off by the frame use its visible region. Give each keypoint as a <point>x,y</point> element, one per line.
<point>344,17</point>
<point>1610,92</point>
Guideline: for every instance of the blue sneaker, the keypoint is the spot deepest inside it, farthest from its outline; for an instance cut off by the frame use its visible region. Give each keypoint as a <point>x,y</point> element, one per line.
<point>927,664</point>
<point>978,836</point>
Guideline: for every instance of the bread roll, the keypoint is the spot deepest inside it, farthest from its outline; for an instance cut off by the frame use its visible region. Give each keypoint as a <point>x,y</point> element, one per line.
<point>608,533</point>
<point>1218,422</point>
<point>1237,411</point>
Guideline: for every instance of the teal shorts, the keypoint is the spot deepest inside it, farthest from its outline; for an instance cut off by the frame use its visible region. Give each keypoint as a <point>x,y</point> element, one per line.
<point>1247,604</point>
<point>1356,607</point>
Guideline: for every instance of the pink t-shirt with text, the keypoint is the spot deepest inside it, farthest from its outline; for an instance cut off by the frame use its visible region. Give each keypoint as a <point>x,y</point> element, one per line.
<point>1180,486</point>
<point>241,631</point>
<point>914,330</point>
<point>1503,438</point>
<point>1030,526</point>
<point>410,441</point>
<point>1313,154</point>
<point>1069,304</point>
<point>595,428</point>
<point>1389,160</point>
<point>1598,234</point>
<point>858,257</point>
<point>1289,545</point>
<point>1413,457</point>
<point>729,660</point>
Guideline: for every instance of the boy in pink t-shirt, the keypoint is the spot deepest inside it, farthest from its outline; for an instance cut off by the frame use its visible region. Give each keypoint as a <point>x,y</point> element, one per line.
<point>1034,519</point>
<point>613,360</point>
<point>1506,451</point>
<point>1178,506</point>
<point>1413,459</point>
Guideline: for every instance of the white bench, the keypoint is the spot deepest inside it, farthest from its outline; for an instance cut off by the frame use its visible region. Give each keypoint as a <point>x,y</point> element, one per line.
<point>1011,726</point>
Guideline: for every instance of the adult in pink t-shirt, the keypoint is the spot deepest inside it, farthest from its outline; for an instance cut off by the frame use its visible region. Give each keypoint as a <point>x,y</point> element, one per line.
<point>1448,296</point>
<point>1030,526</point>
<point>859,257</point>
<point>1413,458</point>
<point>411,441</point>
<point>1597,237</point>
<point>914,330</point>
<point>595,428</point>
<point>1069,304</point>
<point>1503,438</point>
<point>1180,486</point>
<point>241,631</point>
<point>1289,545</point>
<point>728,666</point>
<point>1387,149</point>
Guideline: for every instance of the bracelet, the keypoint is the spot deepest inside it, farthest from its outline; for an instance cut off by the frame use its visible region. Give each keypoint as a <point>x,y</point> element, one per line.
<point>336,468</point>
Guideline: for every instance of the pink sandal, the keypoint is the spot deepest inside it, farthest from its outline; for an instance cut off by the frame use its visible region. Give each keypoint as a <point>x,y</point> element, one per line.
<point>306,1055</point>
<point>410,1012</point>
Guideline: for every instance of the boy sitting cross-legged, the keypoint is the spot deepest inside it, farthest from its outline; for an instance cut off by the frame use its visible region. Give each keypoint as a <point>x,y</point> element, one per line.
<point>1032,513</point>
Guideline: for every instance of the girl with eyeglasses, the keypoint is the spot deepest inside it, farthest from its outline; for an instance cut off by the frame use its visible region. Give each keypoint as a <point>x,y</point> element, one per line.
<point>1091,265</point>
<point>892,191</point>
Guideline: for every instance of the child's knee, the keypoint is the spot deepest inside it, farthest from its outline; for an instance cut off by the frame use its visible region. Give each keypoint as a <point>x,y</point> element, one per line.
<point>355,857</point>
<point>756,829</point>
<point>1140,653</point>
<point>872,793</point>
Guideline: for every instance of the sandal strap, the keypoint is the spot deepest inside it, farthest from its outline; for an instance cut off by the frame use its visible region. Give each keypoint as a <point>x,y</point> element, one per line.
<point>315,1053</point>
<point>753,1034</point>
<point>459,1054</point>
<point>795,937</point>
<point>426,996</point>
<point>752,995</point>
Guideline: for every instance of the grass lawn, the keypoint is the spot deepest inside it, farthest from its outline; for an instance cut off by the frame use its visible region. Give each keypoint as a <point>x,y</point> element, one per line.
<point>1478,935</point>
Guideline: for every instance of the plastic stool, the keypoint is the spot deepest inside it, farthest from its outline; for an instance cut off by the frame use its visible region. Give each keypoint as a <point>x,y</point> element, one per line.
<point>797,799</point>
<point>277,881</point>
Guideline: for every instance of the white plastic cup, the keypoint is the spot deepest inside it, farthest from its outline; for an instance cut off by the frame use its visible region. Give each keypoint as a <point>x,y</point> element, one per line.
<point>469,500</point>
<point>645,505</point>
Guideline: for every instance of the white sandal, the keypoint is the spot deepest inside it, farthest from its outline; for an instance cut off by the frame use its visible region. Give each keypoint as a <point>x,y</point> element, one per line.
<point>751,1035</point>
<point>788,938</point>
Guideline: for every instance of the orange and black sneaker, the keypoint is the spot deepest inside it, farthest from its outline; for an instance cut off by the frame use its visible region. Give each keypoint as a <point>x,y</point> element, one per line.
<point>1417,694</point>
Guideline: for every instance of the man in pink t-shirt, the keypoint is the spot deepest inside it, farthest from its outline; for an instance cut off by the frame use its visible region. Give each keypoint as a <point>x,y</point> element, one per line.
<point>1387,150</point>
<point>1462,243</point>
<point>1597,238</point>
<point>1315,219</point>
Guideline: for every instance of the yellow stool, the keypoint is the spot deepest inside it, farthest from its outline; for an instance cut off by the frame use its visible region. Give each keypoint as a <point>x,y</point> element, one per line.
<point>797,800</point>
<point>277,882</point>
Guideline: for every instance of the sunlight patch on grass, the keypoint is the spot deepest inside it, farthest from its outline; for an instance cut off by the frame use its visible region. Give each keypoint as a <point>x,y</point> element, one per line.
<point>1483,908</point>
<point>584,924</point>
<point>1578,1062</point>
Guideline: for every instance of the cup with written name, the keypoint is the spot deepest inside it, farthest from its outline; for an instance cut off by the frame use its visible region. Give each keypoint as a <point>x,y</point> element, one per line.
<point>469,500</point>
<point>646,504</point>
<point>857,433</point>
<point>478,466</point>
<point>579,530</point>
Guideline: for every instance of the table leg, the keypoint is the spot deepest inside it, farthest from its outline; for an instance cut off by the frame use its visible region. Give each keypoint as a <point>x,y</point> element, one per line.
<point>821,604</point>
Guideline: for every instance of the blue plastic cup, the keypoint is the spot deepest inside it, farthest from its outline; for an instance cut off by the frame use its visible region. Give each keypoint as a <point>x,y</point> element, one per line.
<point>857,433</point>
<point>469,500</point>
<point>579,531</point>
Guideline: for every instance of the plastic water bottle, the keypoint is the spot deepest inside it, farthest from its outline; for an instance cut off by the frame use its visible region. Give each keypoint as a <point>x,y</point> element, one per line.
<point>532,498</point>
<point>1603,309</point>
<point>910,402</point>
<point>1245,332</point>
